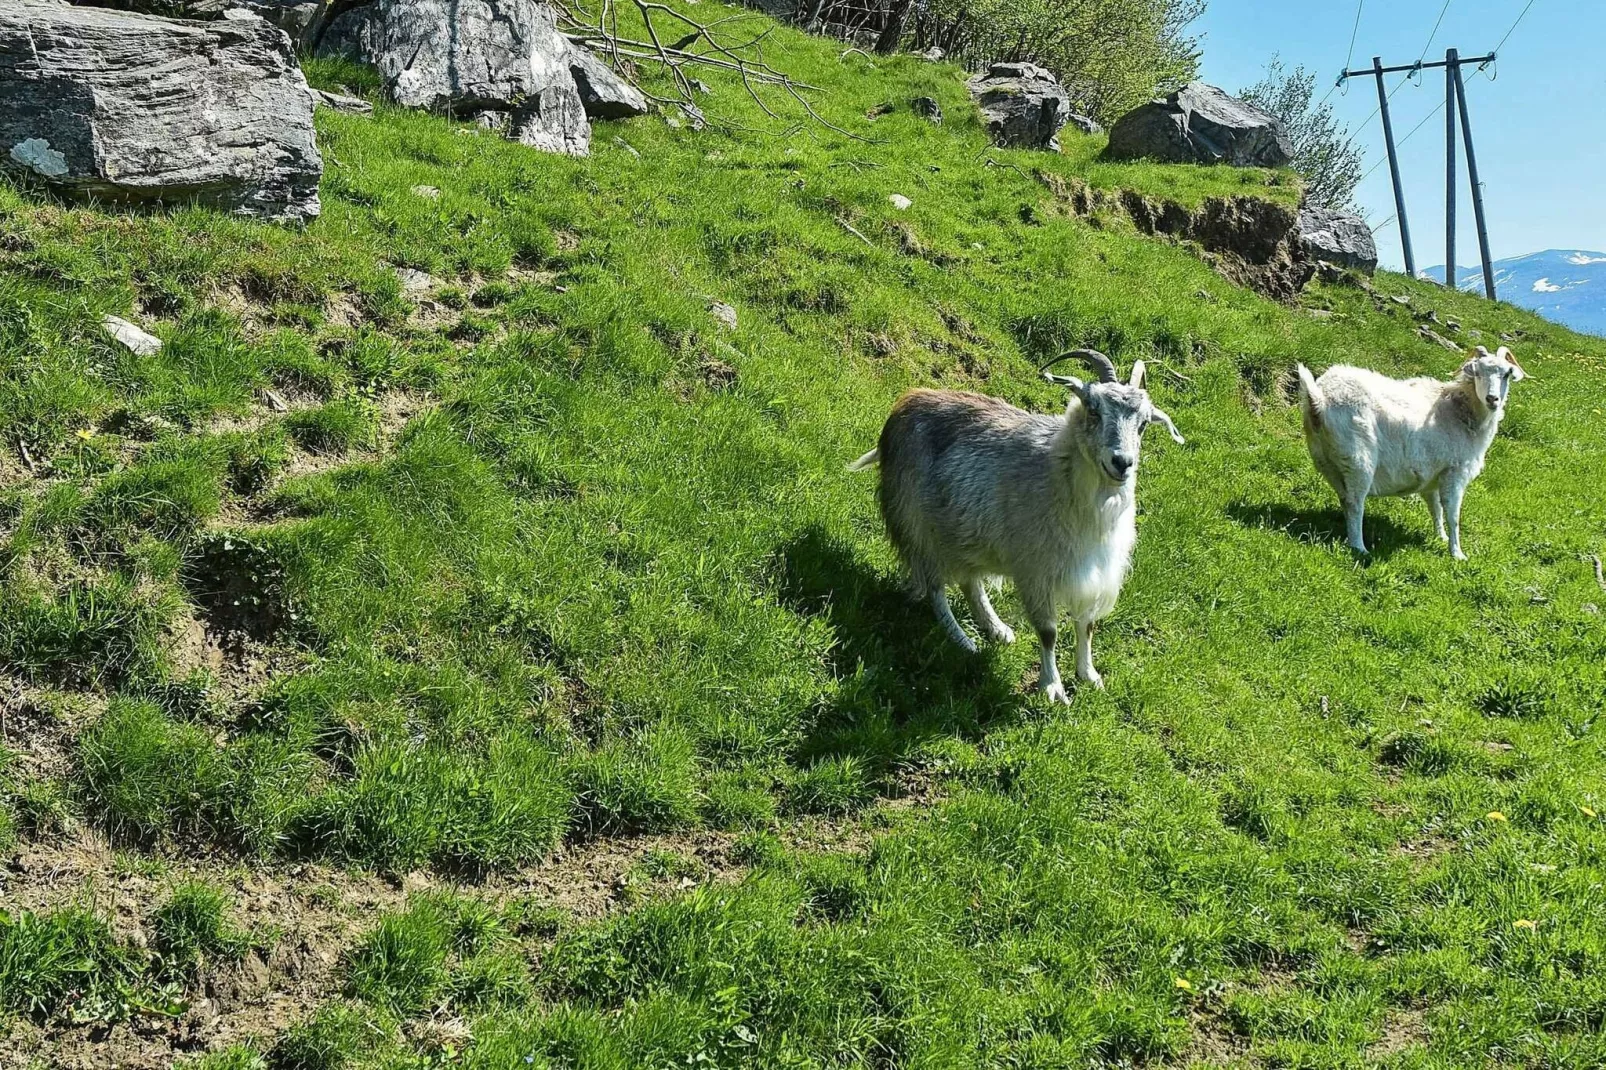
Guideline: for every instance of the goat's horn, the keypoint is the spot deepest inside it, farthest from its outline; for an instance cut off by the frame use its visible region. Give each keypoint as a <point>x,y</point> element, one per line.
<point>1102,365</point>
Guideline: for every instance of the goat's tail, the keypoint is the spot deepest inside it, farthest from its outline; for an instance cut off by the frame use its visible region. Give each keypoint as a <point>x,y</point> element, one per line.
<point>871,458</point>
<point>1310,397</point>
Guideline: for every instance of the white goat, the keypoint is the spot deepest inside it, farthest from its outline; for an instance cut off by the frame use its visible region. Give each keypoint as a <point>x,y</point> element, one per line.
<point>974,489</point>
<point>1372,436</point>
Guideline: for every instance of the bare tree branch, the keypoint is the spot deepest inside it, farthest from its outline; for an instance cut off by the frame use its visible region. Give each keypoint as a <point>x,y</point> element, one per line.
<point>697,43</point>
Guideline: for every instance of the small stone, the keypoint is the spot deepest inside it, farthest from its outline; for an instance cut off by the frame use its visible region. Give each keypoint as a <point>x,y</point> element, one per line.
<point>1452,325</point>
<point>724,313</point>
<point>900,202</point>
<point>275,402</point>
<point>1436,337</point>
<point>1401,299</point>
<point>429,193</point>
<point>414,281</point>
<point>1320,313</point>
<point>623,144</point>
<point>928,107</point>
<point>342,102</point>
<point>933,54</point>
<point>139,342</point>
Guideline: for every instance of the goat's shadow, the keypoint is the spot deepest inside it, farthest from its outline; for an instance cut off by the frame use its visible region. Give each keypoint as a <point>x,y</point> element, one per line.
<point>901,679</point>
<point>1325,527</point>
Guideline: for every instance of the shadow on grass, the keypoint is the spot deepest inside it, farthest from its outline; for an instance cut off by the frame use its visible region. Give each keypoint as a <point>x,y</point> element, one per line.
<point>1325,527</point>
<point>902,680</point>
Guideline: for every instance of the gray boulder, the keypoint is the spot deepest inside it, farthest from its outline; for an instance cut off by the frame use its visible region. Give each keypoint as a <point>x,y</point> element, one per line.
<point>1023,105</point>
<point>294,17</point>
<point>1337,238</point>
<point>1201,124</point>
<point>130,108</point>
<point>467,57</point>
<point>603,93</point>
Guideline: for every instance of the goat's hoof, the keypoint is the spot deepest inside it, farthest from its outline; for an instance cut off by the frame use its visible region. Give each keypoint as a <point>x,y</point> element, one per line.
<point>1458,554</point>
<point>1092,679</point>
<point>967,644</point>
<point>1055,692</point>
<point>1360,551</point>
<point>1002,634</point>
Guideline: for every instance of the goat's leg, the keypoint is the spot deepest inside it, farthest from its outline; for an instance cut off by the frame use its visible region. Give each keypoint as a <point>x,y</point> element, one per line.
<point>1356,484</point>
<point>1452,490</point>
<point>1084,654</point>
<point>986,618</point>
<point>1436,510</point>
<point>1040,610</point>
<point>945,617</point>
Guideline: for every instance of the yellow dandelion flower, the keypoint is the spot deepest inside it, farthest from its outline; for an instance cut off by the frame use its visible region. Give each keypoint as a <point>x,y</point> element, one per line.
<point>1496,815</point>
<point>1524,923</point>
<point>86,433</point>
<point>1588,812</point>
<point>1184,984</point>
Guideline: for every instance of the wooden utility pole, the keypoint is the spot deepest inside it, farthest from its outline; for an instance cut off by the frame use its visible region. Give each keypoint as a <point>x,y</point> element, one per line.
<point>1477,187</point>
<point>1449,168</point>
<point>1455,101</point>
<point>1394,165</point>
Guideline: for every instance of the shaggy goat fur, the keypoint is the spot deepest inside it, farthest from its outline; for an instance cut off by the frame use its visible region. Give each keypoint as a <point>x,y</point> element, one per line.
<point>1372,436</point>
<point>974,489</point>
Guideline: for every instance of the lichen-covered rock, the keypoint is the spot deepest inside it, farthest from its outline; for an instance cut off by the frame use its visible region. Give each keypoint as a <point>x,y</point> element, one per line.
<point>128,108</point>
<point>1023,105</point>
<point>467,57</point>
<point>1201,124</point>
<point>1339,238</point>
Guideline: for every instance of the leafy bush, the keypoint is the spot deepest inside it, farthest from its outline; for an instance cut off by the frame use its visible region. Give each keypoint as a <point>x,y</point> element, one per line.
<point>1325,155</point>
<point>1111,55</point>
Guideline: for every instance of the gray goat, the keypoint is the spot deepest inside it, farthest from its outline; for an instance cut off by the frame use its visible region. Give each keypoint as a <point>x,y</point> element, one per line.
<point>974,489</point>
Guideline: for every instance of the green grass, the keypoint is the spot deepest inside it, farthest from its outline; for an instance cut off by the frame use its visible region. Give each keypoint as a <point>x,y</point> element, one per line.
<point>193,930</point>
<point>610,579</point>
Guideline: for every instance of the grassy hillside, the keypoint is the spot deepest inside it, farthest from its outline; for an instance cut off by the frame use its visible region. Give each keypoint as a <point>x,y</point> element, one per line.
<point>500,670</point>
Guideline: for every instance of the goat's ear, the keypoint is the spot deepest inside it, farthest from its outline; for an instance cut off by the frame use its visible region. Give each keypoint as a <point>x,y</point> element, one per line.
<point>1482,352</point>
<point>1469,369</point>
<point>1518,374</point>
<point>1069,382</point>
<point>1160,416</point>
<point>1137,375</point>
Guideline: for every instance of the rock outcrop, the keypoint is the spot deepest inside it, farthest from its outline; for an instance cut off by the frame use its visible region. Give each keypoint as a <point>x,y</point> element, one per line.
<point>1248,240</point>
<point>1201,124</point>
<point>1023,105</point>
<point>1339,238</point>
<point>128,108</point>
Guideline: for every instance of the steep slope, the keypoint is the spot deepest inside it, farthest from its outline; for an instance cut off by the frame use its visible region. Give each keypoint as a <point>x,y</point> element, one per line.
<point>1564,285</point>
<point>501,639</point>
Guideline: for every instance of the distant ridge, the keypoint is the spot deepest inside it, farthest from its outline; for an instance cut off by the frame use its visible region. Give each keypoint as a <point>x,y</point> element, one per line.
<point>1565,285</point>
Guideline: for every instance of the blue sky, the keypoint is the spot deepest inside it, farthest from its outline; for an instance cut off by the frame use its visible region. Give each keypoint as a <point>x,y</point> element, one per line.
<point>1539,128</point>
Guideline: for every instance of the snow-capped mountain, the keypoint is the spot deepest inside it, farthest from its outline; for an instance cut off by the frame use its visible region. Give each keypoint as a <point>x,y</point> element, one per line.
<point>1565,285</point>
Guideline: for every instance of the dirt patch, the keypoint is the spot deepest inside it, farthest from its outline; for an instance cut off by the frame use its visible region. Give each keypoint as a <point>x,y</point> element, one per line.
<point>1212,1042</point>
<point>1403,1028</point>
<point>38,725</point>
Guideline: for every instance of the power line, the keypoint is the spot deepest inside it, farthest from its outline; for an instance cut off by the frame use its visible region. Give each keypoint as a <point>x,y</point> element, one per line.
<point>1514,25</point>
<point>1354,30</point>
<point>1436,24</point>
